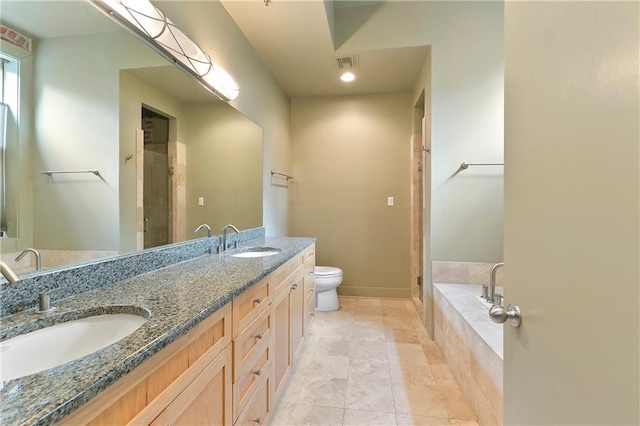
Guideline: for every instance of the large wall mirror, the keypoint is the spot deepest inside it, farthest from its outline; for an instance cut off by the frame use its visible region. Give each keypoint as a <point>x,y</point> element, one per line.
<point>89,96</point>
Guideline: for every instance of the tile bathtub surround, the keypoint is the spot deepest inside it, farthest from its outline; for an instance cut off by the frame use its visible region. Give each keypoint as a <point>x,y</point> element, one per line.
<point>473,352</point>
<point>177,297</point>
<point>72,280</point>
<point>464,273</point>
<point>370,363</point>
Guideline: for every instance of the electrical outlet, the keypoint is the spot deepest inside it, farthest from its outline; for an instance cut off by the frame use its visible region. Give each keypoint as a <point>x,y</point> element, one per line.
<point>390,201</point>
<point>201,201</point>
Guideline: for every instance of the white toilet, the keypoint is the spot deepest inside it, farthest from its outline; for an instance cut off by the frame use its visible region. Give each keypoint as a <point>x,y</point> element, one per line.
<point>327,280</point>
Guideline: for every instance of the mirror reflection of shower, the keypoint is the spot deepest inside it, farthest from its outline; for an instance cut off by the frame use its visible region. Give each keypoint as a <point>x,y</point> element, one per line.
<point>157,175</point>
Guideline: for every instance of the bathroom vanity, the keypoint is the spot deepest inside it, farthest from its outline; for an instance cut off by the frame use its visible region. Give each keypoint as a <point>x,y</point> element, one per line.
<point>222,334</point>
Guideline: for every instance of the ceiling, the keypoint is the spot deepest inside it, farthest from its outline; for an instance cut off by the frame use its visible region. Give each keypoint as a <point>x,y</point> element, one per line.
<point>295,40</point>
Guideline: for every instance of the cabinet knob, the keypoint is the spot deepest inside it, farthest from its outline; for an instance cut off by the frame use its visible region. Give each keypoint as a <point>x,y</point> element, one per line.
<point>258,336</point>
<point>257,420</point>
<point>258,300</point>
<point>257,372</point>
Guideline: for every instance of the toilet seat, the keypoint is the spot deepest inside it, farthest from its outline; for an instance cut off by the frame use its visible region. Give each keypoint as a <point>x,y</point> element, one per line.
<point>327,271</point>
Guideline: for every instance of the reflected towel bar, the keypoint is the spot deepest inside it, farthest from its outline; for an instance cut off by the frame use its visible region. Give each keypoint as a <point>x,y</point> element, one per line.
<point>51,172</point>
<point>465,166</point>
<point>273,172</point>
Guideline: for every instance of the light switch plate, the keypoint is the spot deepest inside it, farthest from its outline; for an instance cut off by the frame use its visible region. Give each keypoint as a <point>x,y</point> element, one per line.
<point>201,201</point>
<point>390,201</point>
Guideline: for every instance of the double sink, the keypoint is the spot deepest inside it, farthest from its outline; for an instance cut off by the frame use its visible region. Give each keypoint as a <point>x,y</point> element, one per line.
<point>44,344</point>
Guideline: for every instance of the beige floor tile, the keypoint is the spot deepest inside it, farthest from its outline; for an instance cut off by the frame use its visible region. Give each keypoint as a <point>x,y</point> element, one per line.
<point>399,322</point>
<point>368,332</point>
<point>368,418</point>
<point>338,330</point>
<point>419,400</point>
<point>366,367</point>
<point>411,420</point>
<point>364,320</point>
<point>291,387</point>
<point>314,415</point>
<point>332,347</point>
<point>392,366</point>
<point>369,394</point>
<point>324,391</point>
<point>456,404</point>
<point>406,351</point>
<point>442,375</point>
<point>399,335</point>
<point>323,365</point>
<point>281,414</point>
<point>368,349</point>
<point>410,371</point>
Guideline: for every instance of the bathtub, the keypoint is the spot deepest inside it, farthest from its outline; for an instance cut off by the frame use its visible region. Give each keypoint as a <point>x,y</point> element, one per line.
<point>472,346</point>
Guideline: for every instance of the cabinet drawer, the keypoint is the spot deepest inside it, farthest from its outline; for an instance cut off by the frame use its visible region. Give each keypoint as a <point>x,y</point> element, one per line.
<point>251,341</point>
<point>258,406</point>
<point>309,282</point>
<point>310,252</point>
<point>249,305</point>
<point>283,274</point>
<point>250,376</point>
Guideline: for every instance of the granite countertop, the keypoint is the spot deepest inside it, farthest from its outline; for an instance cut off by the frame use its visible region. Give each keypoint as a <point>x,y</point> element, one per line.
<point>178,297</point>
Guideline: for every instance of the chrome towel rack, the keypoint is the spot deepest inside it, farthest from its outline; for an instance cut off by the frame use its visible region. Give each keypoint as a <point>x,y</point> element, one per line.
<point>464,166</point>
<point>273,173</point>
<point>51,172</point>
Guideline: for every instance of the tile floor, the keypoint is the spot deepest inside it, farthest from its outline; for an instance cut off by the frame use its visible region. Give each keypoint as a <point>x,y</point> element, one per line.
<point>370,363</point>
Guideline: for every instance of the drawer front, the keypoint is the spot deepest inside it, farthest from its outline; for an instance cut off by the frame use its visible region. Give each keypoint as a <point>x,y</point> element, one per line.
<point>259,405</point>
<point>250,377</point>
<point>282,275</point>
<point>251,341</point>
<point>249,305</point>
<point>309,282</point>
<point>310,252</point>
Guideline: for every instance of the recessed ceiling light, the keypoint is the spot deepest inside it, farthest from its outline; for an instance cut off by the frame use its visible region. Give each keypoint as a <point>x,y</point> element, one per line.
<point>347,77</point>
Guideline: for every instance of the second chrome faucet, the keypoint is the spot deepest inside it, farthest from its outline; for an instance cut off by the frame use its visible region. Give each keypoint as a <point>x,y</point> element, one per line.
<point>224,235</point>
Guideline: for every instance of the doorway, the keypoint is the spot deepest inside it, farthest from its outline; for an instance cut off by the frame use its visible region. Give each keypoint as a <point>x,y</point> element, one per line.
<point>156,179</point>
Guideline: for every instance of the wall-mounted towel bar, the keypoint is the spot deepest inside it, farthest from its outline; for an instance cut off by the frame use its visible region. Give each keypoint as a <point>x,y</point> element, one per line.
<point>465,166</point>
<point>51,172</point>
<point>273,172</point>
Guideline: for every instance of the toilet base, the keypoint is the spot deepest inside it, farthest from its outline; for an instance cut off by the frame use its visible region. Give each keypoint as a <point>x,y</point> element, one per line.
<point>327,301</point>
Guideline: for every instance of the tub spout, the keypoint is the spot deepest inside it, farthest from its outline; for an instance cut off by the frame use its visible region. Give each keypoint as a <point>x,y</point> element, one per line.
<point>492,282</point>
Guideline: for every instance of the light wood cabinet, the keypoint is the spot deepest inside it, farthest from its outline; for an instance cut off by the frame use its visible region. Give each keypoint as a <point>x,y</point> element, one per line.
<point>140,396</point>
<point>205,401</point>
<point>228,369</point>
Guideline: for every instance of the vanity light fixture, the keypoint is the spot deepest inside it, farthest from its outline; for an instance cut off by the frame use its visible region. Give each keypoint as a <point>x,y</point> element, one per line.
<point>348,77</point>
<point>149,24</point>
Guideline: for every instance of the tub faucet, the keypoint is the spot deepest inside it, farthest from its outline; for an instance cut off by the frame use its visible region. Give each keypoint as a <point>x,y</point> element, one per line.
<point>492,282</point>
<point>8,273</point>
<point>30,250</point>
<point>205,226</point>
<point>224,235</point>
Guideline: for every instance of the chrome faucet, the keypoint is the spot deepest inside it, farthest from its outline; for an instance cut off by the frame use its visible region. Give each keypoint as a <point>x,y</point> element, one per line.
<point>224,235</point>
<point>30,250</point>
<point>8,273</point>
<point>207,227</point>
<point>492,282</point>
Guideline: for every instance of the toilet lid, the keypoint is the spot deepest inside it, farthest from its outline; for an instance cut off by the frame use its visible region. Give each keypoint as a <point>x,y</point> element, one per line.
<point>327,271</point>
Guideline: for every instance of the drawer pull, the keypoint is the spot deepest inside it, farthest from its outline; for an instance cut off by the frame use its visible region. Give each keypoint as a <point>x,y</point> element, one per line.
<point>258,300</point>
<point>294,286</point>
<point>257,372</point>
<point>257,420</point>
<point>258,336</point>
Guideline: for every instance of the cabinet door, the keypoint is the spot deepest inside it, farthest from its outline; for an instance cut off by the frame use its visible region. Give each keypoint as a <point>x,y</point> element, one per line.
<point>206,400</point>
<point>281,360</point>
<point>296,314</point>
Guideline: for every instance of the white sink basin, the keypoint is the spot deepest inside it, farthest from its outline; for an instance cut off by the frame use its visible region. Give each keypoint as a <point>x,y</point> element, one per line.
<point>58,344</point>
<point>257,252</point>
